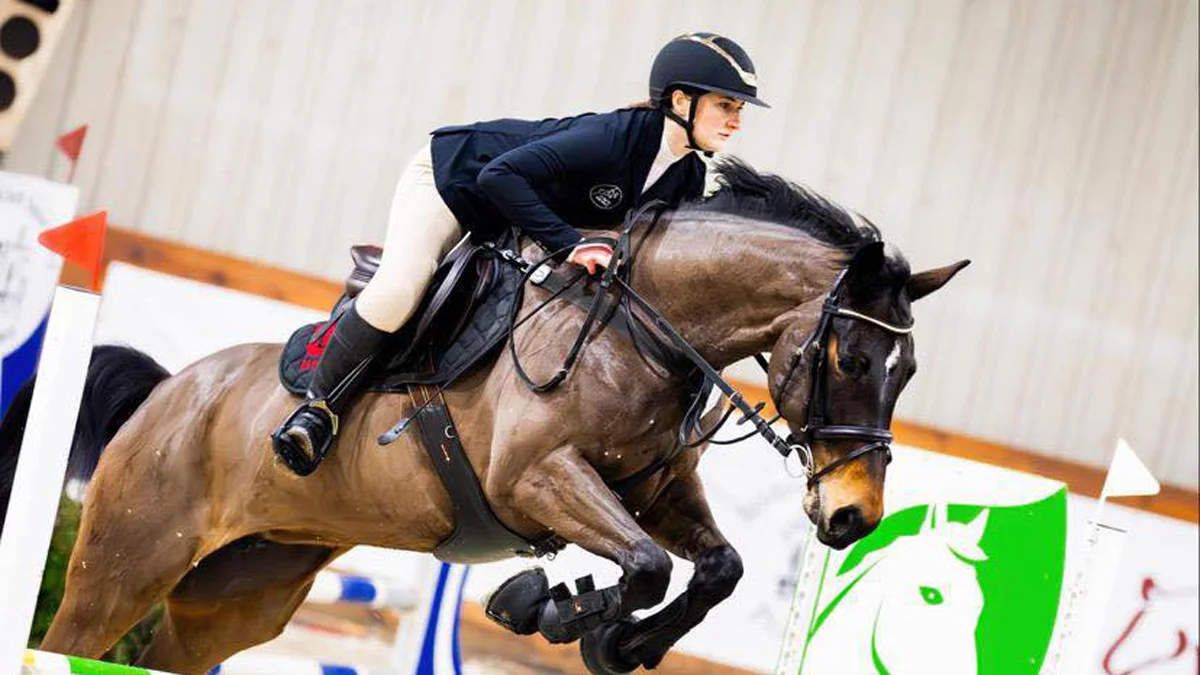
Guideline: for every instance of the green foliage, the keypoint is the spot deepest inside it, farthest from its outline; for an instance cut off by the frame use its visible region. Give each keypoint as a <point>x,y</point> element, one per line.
<point>66,529</point>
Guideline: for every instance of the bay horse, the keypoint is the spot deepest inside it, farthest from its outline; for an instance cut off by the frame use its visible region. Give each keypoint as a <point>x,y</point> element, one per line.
<point>189,504</point>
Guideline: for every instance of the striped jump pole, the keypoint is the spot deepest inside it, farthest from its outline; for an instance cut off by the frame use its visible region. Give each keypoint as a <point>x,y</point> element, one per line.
<point>429,644</point>
<point>45,663</point>
<point>333,588</point>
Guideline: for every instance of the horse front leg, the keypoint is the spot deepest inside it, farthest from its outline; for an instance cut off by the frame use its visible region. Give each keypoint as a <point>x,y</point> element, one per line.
<point>565,494</point>
<point>681,521</point>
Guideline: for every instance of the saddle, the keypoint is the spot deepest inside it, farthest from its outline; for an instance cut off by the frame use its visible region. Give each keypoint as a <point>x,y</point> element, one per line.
<point>458,323</point>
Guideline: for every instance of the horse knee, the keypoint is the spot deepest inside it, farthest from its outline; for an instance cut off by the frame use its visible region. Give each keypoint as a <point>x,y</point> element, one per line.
<point>647,575</point>
<point>717,573</point>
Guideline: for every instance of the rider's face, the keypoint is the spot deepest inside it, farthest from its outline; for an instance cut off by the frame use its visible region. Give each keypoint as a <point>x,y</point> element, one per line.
<point>718,117</point>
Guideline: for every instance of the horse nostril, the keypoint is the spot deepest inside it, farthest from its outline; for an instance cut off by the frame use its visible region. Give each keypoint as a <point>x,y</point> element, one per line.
<point>847,522</point>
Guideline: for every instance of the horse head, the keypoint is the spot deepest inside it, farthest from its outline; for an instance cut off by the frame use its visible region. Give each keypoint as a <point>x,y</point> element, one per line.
<point>837,384</point>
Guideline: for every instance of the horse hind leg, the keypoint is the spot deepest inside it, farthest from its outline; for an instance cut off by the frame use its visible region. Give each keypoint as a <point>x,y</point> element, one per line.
<point>136,541</point>
<point>240,596</point>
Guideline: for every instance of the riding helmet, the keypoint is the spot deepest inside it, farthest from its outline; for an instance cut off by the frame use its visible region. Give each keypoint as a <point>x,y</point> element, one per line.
<point>704,61</point>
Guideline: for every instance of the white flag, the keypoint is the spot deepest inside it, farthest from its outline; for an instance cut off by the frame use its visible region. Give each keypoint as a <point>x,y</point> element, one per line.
<point>1127,476</point>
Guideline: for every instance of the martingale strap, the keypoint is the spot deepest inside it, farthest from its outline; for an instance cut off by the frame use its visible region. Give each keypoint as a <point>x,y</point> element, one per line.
<point>616,275</point>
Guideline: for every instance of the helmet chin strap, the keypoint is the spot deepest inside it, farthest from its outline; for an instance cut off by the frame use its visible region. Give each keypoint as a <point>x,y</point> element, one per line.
<point>688,124</point>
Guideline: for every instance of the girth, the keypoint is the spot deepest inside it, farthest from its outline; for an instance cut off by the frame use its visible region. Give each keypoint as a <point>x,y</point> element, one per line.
<point>478,535</point>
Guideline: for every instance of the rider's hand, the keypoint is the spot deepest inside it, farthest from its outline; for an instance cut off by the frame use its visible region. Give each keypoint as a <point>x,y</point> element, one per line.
<point>591,256</point>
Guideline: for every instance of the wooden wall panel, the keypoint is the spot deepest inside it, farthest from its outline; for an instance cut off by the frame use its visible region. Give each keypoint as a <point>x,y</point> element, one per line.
<point>1054,142</point>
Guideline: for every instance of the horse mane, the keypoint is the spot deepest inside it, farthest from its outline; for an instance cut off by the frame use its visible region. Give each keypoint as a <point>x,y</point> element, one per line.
<point>745,192</point>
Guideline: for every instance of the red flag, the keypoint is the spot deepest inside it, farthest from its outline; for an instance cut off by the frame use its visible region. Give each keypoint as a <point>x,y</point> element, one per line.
<point>72,142</point>
<point>80,241</point>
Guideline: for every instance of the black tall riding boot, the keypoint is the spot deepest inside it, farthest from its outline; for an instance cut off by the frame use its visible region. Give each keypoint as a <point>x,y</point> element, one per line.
<point>303,440</point>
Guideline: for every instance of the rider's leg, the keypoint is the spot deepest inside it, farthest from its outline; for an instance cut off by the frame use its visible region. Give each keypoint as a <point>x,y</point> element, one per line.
<point>421,229</point>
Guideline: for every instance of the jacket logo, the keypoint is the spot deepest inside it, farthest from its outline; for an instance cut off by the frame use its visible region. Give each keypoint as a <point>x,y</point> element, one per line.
<point>606,197</point>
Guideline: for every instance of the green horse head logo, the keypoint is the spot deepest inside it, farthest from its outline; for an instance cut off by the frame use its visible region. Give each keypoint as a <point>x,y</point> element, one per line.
<point>964,589</point>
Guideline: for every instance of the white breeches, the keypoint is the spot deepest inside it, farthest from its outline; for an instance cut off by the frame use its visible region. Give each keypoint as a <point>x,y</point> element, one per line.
<point>421,231</point>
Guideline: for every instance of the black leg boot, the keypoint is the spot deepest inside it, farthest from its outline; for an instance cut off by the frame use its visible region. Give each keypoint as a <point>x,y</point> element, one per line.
<point>303,440</point>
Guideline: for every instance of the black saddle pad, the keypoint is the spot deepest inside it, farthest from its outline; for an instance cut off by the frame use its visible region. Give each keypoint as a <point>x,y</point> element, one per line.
<point>437,361</point>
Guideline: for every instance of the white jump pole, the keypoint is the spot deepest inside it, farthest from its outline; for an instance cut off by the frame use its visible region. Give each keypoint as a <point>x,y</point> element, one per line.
<point>37,485</point>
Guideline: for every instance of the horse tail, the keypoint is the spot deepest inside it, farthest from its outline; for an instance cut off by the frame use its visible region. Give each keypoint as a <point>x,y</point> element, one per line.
<point>119,380</point>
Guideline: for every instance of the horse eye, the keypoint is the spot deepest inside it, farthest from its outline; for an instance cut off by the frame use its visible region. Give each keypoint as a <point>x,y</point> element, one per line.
<point>851,364</point>
<point>931,596</point>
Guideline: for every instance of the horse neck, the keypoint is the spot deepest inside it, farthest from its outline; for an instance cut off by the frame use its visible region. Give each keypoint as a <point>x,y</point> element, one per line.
<point>731,285</point>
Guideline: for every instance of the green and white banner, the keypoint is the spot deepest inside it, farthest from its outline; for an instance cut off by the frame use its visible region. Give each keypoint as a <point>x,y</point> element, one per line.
<point>967,574</point>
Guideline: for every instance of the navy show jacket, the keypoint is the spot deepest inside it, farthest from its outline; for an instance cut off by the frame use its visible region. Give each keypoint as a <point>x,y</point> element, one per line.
<point>550,176</point>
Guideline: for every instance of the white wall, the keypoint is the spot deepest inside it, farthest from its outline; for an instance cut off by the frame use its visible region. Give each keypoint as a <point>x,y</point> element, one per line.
<point>1054,142</point>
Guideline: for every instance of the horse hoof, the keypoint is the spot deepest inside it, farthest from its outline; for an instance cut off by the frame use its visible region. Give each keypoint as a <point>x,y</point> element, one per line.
<point>601,652</point>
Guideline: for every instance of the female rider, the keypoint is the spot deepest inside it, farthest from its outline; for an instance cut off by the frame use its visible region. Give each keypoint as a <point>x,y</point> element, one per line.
<point>546,178</point>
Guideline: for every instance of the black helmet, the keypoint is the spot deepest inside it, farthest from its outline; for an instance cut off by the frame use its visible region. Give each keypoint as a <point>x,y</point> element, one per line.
<point>704,61</point>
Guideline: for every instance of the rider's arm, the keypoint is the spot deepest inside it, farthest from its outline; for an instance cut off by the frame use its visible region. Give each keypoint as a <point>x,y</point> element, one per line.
<point>511,180</point>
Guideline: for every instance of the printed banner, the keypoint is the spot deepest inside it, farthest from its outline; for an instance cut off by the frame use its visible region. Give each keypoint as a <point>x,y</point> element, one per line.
<point>28,273</point>
<point>964,575</point>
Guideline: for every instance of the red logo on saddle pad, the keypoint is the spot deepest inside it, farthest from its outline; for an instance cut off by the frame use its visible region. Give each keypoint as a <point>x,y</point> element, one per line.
<point>316,345</point>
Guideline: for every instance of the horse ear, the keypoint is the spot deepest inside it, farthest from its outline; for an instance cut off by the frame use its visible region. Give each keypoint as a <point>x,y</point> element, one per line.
<point>923,283</point>
<point>966,538</point>
<point>975,528</point>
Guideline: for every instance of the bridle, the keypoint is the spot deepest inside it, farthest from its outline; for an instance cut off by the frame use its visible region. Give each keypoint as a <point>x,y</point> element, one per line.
<point>815,426</point>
